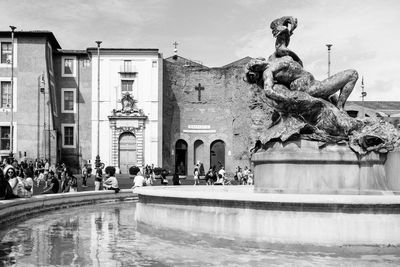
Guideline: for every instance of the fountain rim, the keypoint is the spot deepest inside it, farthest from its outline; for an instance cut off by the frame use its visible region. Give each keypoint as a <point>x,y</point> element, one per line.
<point>245,197</point>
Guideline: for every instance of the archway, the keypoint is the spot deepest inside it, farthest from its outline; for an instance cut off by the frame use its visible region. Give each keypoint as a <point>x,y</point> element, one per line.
<point>199,155</point>
<point>217,154</point>
<point>181,157</point>
<point>127,151</point>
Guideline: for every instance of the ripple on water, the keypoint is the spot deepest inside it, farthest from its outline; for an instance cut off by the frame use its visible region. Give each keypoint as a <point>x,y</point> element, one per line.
<point>107,234</point>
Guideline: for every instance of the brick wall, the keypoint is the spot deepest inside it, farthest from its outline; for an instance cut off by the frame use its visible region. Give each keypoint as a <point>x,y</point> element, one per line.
<point>224,106</point>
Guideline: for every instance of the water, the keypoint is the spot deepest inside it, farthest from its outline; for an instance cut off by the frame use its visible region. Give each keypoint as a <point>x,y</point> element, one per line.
<point>107,235</point>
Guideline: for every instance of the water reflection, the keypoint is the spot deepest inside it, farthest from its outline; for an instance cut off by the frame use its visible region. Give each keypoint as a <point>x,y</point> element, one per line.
<point>107,235</point>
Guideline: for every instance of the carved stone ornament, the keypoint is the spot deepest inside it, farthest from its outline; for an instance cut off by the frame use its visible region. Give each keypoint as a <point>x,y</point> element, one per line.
<point>128,107</point>
<point>305,107</point>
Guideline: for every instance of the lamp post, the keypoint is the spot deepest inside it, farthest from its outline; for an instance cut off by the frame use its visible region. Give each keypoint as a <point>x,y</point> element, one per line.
<point>97,161</point>
<point>42,91</point>
<point>329,59</point>
<point>363,95</point>
<point>12,94</point>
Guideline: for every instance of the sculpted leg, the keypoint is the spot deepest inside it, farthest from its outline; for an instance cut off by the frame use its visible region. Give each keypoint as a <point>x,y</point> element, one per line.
<point>347,89</point>
<point>343,82</point>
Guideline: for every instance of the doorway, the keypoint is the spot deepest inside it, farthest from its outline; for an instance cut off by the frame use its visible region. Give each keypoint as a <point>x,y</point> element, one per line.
<point>127,152</point>
<point>181,157</point>
<point>217,154</point>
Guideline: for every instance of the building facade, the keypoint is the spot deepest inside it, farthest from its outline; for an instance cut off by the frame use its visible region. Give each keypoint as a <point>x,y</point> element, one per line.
<point>126,109</point>
<point>171,112</point>
<point>32,94</point>
<point>206,116</point>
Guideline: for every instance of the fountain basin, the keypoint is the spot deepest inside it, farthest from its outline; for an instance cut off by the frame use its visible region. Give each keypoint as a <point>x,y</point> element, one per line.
<point>16,209</point>
<point>301,166</point>
<point>238,212</point>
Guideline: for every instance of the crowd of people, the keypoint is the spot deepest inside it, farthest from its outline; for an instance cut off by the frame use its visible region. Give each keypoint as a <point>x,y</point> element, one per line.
<point>18,179</point>
<point>244,176</point>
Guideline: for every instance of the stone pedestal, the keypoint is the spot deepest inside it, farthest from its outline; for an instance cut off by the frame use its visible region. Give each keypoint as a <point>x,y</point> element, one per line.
<point>302,167</point>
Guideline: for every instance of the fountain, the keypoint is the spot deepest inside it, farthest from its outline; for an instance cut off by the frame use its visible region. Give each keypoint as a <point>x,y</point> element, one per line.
<point>321,177</point>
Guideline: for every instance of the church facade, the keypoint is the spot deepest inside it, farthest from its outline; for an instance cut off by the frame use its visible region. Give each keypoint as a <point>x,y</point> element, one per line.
<point>127,111</point>
<point>206,117</point>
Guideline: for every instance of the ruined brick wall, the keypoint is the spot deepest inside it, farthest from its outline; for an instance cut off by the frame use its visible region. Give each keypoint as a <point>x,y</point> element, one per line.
<point>224,106</point>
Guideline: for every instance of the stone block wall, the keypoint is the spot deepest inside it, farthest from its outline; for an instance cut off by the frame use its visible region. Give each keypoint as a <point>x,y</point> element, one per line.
<point>224,107</point>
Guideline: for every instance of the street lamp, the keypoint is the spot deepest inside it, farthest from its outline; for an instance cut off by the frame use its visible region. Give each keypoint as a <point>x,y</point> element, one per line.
<point>97,161</point>
<point>329,59</point>
<point>363,95</point>
<point>12,94</point>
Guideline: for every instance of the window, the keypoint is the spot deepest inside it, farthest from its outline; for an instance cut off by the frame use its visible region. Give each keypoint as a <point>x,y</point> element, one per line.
<point>127,65</point>
<point>6,52</point>
<point>68,66</point>
<point>126,85</point>
<point>5,94</point>
<point>86,63</point>
<point>68,100</point>
<point>68,135</point>
<point>4,137</point>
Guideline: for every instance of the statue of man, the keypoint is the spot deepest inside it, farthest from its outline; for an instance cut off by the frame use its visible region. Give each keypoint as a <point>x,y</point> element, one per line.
<point>285,67</point>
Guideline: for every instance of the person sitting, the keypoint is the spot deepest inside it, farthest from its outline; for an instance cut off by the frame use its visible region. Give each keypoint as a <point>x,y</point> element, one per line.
<point>209,177</point>
<point>176,180</point>
<point>164,180</point>
<point>54,186</point>
<point>72,181</point>
<point>26,190</point>
<point>11,176</point>
<point>111,182</point>
<point>6,192</point>
<point>139,180</point>
<point>220,180</point>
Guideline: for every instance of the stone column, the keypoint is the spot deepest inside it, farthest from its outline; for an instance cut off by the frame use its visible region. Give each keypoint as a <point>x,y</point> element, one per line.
<point>114,143</point>
<point>140,144</point>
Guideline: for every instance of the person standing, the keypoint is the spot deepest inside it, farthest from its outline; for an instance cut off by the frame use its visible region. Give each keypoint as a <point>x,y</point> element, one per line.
<point>98,179</point>
<point>84,175</point>
<point>196,174</point>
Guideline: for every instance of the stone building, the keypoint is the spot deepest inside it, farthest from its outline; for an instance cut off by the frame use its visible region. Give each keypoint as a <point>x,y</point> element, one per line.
<point>73,94</point>
<point>55,103</point>
<point>127,129</point>
<point>206,115</point>
<point>33,95</point>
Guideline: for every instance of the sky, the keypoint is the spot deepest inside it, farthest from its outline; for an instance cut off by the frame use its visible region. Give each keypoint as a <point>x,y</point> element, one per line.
<point>217,32</point>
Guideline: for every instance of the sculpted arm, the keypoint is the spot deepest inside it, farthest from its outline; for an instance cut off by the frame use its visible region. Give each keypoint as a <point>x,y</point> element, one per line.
<point>281,93</point>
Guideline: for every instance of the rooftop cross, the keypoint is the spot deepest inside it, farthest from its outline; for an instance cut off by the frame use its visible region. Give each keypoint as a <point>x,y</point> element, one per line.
<point>199,88</point>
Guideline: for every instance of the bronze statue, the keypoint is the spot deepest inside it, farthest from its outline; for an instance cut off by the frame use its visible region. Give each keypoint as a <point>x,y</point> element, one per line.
<point>303,105</point>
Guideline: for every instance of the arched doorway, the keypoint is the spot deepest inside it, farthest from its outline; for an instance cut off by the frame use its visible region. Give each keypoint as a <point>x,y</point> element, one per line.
<point>181,157</point>
<point>199,155</point>
<point>217,154</point>
<point>127,151</point>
